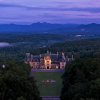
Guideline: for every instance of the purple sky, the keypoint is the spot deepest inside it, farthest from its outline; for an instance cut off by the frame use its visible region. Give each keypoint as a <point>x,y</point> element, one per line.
<point>52,11</point>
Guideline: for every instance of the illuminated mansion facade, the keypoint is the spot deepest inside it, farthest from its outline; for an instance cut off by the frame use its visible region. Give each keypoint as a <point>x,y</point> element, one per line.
<point>47,60</point>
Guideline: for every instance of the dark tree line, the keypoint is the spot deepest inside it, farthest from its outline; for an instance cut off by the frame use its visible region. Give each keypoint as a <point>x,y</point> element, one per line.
<point>81,80</point>
<point>36,46</point>
<point>16,83</point>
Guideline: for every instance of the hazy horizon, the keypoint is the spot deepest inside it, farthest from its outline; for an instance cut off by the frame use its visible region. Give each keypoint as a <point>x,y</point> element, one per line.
<point>47,23</point>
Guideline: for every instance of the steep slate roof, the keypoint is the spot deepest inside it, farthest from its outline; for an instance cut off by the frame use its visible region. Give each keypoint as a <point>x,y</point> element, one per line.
<point>36,58</point>
<point>55,63</point>
<point>54,57</point>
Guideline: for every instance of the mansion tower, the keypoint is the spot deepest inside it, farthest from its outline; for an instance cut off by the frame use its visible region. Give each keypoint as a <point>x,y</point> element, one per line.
<point>47,60</point>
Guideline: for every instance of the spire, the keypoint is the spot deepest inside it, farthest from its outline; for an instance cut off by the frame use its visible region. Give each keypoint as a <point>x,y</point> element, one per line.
<point>28,56</point>
<point>47,51</point>
<point>40,55</point>
<point>72,57</point>
<point>31,57</point>
<point>63,55</point>
<point>57,54</point>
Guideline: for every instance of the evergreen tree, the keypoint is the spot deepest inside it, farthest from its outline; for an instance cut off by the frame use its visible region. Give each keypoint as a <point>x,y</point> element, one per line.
<point>16,83</point>
<point>81,80</point>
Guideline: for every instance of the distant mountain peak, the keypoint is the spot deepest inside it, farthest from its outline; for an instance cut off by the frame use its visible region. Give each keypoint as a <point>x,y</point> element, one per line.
<point>50,28</point>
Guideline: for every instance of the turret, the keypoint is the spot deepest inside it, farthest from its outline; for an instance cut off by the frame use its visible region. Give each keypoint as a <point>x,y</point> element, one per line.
<point>28,56</point>
<point>31,58</point>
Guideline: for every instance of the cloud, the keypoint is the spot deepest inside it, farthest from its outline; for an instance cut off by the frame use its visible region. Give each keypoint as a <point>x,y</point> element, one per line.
<point>92,10</point>
<point>49,10</point>
<point>2,5</point>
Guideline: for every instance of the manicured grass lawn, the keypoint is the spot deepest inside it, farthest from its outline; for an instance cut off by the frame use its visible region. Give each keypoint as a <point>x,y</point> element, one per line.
<point>47,88</point>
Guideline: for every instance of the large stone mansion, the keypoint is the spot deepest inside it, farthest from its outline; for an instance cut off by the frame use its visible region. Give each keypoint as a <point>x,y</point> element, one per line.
<point>47,60</point>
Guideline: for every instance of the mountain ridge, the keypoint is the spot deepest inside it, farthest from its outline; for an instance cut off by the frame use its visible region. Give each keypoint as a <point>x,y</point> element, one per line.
<point>51,28</point>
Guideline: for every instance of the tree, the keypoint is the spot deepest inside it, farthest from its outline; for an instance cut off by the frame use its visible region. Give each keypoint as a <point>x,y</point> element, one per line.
<point>16,83</point>
<point>81,80</point>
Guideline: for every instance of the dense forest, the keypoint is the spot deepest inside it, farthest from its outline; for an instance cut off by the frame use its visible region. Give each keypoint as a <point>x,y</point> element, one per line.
<point>81,80</point>
<point>20,44</point>
<point>37,45</point>
<point>16,82</point>
<point>79,48</point>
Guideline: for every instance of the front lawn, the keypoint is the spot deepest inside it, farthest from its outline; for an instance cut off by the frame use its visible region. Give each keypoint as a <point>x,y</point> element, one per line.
<point>49,83</point>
